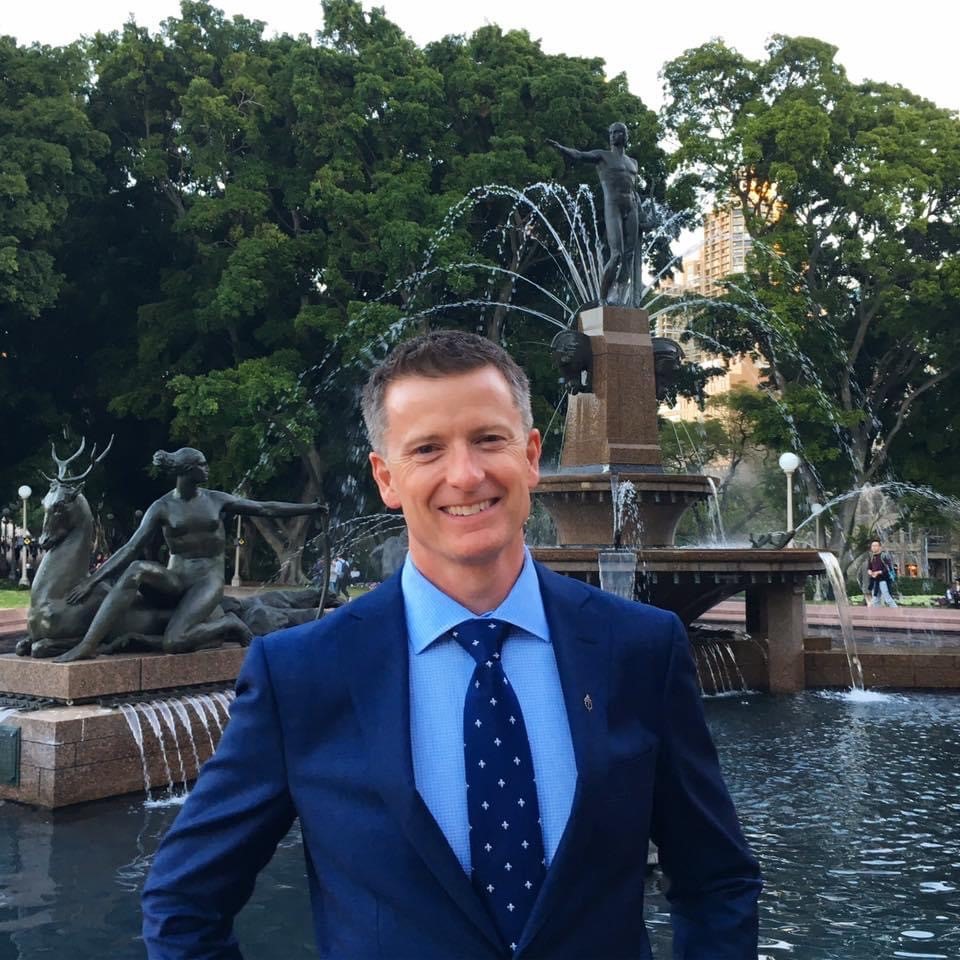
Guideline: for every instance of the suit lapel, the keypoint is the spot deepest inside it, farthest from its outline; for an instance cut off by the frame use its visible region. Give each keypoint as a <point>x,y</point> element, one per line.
<point>582,648</point>
<point>375,662</point>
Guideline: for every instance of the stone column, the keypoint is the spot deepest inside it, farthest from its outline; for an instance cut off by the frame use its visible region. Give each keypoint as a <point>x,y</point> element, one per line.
<point>617,423</point>
<point>776,611</point>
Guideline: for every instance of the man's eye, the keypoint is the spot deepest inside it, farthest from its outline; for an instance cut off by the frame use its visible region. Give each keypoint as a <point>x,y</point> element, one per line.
<point>492,438</point>
<point>425,449</point>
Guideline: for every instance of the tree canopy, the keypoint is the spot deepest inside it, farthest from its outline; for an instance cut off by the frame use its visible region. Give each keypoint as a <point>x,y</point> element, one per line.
<point>239,220</point>
<point>852,294</point>
<point>209,234</point>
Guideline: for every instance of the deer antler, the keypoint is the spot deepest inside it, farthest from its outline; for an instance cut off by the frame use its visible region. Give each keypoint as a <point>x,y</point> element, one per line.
<point>62,464</point>
<point>93,462</point>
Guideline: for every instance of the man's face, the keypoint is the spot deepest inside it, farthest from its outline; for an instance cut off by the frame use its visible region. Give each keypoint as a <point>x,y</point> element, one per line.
<point>618,136</point>
<point>458,462</point>
<point>875,547</point>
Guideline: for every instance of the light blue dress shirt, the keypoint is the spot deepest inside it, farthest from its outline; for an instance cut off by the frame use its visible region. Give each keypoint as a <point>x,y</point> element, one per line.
<point>440,670</point>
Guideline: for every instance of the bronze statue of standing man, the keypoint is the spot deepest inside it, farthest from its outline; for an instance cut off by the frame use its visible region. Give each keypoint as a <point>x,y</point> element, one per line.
<point>621,211</point>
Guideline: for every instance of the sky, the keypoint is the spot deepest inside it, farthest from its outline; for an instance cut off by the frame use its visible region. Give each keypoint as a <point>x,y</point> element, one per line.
<point>914,45</point>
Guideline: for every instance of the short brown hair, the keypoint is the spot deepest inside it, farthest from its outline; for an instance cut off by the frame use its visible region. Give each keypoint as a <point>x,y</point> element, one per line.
<point>442,353</point>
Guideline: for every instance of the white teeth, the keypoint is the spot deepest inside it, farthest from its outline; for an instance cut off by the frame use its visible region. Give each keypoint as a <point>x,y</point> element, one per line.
<point>468,510</point>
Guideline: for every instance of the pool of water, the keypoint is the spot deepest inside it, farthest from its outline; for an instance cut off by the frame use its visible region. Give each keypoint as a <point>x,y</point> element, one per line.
<point>853,809</point>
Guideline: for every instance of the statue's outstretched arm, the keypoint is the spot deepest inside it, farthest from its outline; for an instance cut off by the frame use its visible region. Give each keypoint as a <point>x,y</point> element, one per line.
<point>586,156</point>
<point>271,508</point>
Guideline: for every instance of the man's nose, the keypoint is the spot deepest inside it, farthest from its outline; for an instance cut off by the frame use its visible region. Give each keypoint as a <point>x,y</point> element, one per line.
<point>464,470</point>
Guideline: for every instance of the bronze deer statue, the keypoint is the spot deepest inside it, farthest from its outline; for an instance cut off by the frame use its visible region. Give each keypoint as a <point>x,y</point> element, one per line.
<point>66,539</point>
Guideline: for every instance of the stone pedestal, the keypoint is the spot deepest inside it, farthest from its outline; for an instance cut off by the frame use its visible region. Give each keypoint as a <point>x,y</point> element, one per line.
<point>616,425</point>
<point>80,749</point>
<point>775,613</point>
<point>72,683</point>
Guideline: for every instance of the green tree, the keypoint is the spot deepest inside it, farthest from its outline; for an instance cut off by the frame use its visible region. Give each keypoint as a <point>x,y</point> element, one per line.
<point>749,484</point>
<point>298,185</point>
<point>48,154</point>
<point>852,193</point>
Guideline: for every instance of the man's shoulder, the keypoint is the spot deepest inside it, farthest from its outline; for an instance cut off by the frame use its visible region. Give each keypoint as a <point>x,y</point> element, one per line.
<point>600,604</point>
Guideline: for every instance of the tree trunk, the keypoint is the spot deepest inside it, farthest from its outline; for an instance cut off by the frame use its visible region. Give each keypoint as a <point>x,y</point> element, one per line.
<point>286,538</point>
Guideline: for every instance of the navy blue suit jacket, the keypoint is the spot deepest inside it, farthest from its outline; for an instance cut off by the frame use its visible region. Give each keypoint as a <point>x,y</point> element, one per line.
<point>320,730</point>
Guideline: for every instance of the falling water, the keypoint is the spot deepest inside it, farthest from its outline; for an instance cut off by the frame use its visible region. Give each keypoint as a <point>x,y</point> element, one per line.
<point>147,710</point>
<point>893,488</point>
<point>133,722</point>
<point>713,677</point>
<point>618,572</point>
<point>835,576</point>
<point>201,713</point>
<point>7,712</point>
<point>179,708</point>
<point>626,512</point>
<point>713,653</point>
<point>718,519</point>
<point>166,715</point>
<point>224,702</point>
<point>733,660</point>
<point>715,660</point>
<point>210,707</point>
<point>162,714</point>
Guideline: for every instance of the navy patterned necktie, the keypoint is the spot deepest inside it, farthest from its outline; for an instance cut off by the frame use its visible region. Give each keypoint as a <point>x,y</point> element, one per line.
<point>506,844</point>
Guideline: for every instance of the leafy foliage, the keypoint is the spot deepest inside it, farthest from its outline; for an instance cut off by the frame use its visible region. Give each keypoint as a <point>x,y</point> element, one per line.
<point>852,193</point>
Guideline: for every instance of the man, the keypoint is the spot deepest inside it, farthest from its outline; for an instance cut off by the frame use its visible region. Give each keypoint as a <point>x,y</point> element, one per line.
<point>621,211</point>
<point>880,574</point>
<point>478,750</point>
<point>342,570</point>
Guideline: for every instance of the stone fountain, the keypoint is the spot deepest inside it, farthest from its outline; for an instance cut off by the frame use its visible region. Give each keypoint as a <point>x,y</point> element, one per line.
<point>611,446</point>
<point>71,731</point>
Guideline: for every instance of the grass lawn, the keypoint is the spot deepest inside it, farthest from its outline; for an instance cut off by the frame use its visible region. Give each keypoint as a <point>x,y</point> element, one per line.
<point>920,600</point>
<point>13,598</point>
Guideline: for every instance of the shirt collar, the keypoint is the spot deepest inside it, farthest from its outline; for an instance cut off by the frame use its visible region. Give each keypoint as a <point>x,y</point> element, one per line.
<point>431,613</point>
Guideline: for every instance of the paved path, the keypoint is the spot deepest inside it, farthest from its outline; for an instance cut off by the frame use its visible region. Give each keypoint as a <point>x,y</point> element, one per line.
<point>922,620</point>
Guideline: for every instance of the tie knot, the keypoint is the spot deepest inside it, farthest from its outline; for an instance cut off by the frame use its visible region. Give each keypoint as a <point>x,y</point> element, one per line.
<point>482,639</point>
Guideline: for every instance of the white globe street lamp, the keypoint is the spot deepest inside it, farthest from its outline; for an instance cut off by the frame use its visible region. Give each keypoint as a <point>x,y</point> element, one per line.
<point>24,493</point>
<point>788,463</point>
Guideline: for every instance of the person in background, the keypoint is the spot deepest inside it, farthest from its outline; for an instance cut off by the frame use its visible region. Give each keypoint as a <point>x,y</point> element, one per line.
<point>953,594</point>
<point>880,575</point>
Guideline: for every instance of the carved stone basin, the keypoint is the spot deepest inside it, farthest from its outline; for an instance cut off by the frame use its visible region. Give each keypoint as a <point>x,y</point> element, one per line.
<point>582,506</point>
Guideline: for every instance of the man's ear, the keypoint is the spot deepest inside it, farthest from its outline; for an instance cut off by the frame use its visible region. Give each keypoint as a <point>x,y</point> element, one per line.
<point>383,477</point>
<point>533,458</point>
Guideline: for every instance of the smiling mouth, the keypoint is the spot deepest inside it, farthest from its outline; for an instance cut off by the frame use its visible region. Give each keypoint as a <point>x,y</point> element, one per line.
<point>468,509</point>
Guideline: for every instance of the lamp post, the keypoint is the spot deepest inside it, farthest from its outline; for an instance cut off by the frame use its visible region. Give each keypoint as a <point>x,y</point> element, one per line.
<point>788,463</point>
<point>235,581</point>
<point>24,493</point>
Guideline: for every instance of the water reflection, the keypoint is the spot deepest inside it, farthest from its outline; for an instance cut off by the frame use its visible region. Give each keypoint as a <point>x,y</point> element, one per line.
<point>852,807</point>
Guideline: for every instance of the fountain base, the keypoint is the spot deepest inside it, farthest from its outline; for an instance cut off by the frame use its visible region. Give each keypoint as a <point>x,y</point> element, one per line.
<point>691,580</point>
<point>73,748</point>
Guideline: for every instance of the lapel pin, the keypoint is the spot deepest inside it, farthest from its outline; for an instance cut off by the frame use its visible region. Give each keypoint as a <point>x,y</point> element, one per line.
<point>588,702</point>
